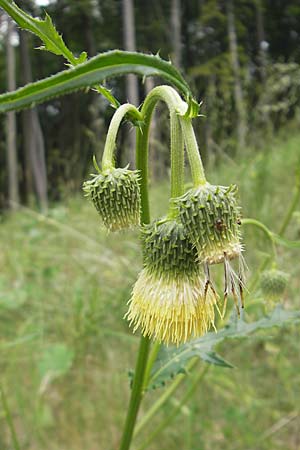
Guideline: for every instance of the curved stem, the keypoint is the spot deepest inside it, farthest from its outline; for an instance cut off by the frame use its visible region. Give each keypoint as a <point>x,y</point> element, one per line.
<point>263,228</point>
<point>110,143</point>
<point>192,149</point>
<point>176,107</point>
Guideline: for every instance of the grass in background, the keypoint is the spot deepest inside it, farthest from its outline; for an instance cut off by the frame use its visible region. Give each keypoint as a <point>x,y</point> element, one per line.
<point>64,284</point>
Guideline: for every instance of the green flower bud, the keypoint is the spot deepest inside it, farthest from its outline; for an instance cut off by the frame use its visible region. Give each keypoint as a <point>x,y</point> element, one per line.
<point>211,217</point>
<point>169,300</point>
<point>273,284</point>
<point>116,196</point>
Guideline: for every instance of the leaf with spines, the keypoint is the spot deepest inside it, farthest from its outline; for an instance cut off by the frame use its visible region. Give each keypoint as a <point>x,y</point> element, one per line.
<point>93,71</point>
<point>44,29</point>
<point>172,361</point>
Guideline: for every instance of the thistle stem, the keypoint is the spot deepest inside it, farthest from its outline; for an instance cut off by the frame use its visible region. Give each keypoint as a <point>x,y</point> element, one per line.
<point>177,156</point>
<point>265,230</point>
<point>175,105</point>
<point>143,352</point>
<point>136,393</point>
<point>193,386</point>
<point>192,149</point>
<point>110,143</point>
<point>292,207</point>
<point>164,397</point>
<point>151,360</point>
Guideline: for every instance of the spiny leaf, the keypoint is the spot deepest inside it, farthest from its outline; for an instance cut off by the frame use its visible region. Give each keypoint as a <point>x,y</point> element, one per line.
<point>91,72</point>
<point>172,361</point>
<point>44,29</point>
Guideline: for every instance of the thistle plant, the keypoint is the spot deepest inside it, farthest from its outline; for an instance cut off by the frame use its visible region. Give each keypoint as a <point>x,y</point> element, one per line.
<point>174,300</point>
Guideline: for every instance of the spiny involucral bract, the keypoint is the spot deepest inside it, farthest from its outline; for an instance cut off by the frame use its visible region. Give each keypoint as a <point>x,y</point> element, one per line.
<point>273,284</point>
<point>211,217</point>
<point>169,302</point>
<point>116,196</point>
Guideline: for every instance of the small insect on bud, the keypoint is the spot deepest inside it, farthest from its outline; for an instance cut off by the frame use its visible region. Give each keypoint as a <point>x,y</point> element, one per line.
<point>211,218</point>
<point>168,300</point>
<point>116,196</point>
<point>273,284</point>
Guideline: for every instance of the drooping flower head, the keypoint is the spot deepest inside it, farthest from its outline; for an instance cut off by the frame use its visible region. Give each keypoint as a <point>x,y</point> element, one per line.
<point>169,302</point>
<point>211,217</point>
<point>273,284</point>
<point>116,196</point>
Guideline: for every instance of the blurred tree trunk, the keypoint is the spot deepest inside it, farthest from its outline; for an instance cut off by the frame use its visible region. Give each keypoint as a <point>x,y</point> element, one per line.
<point>35,171</point>
<point>132,93</point>
<point>210,94</point>
<point>262,57</point>
<point>176,32</point>
<point>238,92</point>
<point>11,128</point>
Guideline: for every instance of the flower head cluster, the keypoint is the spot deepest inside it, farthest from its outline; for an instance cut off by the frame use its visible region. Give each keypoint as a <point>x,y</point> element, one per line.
<point>169,302</point>
<point>116,196</point>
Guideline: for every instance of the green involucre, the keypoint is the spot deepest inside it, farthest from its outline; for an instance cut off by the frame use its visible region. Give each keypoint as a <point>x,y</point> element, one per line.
<point>211,218</point>
<point>116,196</point>
<point>167,250</point>
<point>273,283</point>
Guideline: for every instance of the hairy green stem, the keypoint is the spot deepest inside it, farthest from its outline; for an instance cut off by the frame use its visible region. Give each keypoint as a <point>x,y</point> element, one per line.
<point>265,230</point>
<point>176,107</point>
<point>142,358</point>
<point>151,360</point>
<point>192,149</point>
<point>193,386</point>
<point>177,156</point>
<point>163,398</point>
<point>110,143</point>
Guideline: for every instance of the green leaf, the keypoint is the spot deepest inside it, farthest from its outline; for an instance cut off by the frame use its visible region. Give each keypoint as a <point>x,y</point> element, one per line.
<point>44,29</point>
<point>172,360</point>
<point>91,72</point>
<point>56,361</point>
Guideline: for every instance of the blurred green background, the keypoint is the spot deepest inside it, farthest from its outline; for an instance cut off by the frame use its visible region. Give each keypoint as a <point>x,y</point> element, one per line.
<point>65,350</point>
